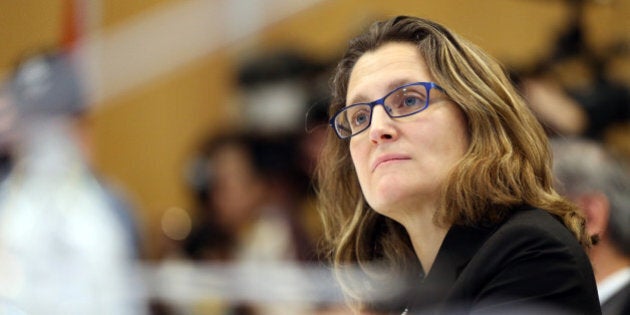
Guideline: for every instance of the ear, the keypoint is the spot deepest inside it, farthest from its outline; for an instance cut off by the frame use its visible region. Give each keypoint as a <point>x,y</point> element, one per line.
<point>596,209</point>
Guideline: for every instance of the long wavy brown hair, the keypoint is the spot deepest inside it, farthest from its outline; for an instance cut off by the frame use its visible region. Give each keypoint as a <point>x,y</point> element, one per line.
<point>508,162</point>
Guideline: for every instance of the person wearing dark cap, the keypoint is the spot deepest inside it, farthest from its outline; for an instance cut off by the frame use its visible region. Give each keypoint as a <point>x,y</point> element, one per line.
<point>66,242</point>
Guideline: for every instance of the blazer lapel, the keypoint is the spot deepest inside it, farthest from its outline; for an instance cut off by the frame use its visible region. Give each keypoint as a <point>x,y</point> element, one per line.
<point>458,247</point>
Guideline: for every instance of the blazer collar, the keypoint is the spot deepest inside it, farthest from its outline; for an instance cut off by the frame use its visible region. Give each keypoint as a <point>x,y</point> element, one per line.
<point>457,249</point>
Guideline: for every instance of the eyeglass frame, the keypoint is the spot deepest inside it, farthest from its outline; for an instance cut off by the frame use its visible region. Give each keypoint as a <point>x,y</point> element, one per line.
<point>381,101</point>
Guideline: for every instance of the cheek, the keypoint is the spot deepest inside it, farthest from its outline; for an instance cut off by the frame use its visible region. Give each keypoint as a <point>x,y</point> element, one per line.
<point>461,132</point>
<point>359,156</point>
<point>450,132</point>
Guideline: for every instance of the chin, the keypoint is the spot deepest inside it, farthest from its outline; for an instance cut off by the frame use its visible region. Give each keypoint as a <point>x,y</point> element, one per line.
<point>385,206</point>
<point>395,199</point>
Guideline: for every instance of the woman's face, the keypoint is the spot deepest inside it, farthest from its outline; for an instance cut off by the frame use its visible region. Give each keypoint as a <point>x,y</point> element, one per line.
<point>401,163</point>
<point>237,190</point>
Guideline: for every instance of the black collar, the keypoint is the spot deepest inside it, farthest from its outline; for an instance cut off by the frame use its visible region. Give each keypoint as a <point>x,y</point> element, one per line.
<point>459,246</point>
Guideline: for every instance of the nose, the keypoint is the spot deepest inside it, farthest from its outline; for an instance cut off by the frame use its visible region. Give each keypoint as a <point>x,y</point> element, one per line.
<point>382,126</point>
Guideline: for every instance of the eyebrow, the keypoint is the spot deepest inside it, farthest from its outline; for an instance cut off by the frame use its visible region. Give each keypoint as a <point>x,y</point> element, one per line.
<point>361,98</point>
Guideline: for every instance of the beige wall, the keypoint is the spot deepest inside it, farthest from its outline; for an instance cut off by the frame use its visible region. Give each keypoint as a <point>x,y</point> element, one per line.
<point>143,137</point>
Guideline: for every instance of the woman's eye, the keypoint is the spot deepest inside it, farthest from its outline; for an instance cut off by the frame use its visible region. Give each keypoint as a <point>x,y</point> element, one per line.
<point>411,101</point>
<point>360,118</point>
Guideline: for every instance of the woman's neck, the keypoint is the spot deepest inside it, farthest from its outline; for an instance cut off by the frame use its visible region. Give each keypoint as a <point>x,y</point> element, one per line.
<point>426,237</point>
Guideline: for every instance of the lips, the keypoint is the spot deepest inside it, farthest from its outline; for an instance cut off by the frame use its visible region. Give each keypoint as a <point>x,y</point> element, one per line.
<point>383,159</point>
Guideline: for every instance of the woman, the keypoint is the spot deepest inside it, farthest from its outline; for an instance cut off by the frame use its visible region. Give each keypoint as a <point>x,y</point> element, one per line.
<point>437,180</point>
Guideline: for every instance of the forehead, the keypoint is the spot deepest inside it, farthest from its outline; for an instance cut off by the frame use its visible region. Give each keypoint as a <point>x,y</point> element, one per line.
<point>378,71</point>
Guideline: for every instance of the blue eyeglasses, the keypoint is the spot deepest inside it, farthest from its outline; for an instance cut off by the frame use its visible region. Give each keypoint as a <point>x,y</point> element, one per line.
<point>403,101</point>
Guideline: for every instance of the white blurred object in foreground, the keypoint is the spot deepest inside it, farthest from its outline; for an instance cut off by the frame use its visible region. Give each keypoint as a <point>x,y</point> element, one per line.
<point>65,246</point>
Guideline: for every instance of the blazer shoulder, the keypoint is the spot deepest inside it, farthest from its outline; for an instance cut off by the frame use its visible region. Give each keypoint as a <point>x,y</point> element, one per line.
<point>531,258</point>
<point>534,224</point>
<point>535,237</point>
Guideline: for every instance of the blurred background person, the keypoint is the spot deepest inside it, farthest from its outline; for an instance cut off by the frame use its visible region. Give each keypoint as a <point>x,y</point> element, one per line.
<point>570,89</point>
<point>559,113</point>
<point>269,149</point>
<point>247,202</point>
<point>283,96</point>
<point>68,241</point>
<point>600,185</point>
<point>252,185</point>
<point>248,195</point>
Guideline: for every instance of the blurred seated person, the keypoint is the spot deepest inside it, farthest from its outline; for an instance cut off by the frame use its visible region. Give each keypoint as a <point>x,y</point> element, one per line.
<point>68,242</point>
<point>558,112</point>
<point>246,202</point>
<point>600,186</point>
<point>574,96</point>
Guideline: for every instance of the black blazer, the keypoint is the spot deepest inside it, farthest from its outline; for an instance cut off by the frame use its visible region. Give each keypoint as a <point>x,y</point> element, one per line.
<point>528,264</point>
<point>619,303</point>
